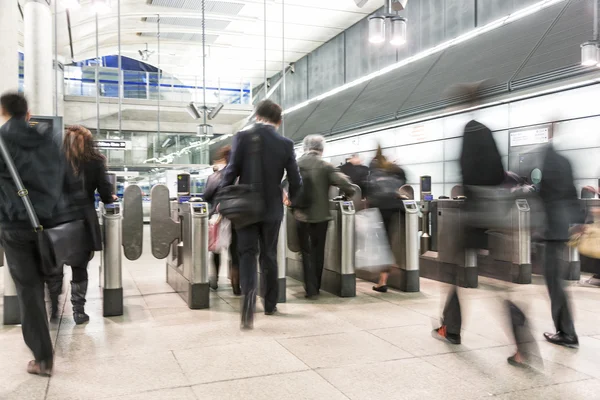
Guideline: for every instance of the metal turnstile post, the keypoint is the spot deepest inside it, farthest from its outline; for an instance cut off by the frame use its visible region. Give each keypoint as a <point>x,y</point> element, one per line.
<point>112,288</point>
<point>282,259</point>
<point>410,274</point>
<point>347,249</point>
<point>199,287</point>
<point>522,274</point>
<point>12,315</point>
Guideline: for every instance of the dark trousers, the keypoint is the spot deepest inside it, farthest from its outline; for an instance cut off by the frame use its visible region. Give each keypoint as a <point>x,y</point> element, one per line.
<point>23,258</point>
<point>452,316</point>
<point>559,302</point>
<point>249,238</point>
<point>312,238</point>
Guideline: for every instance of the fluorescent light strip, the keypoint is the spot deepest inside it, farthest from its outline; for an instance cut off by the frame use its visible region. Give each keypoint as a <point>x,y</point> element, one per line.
<point>366,131</point>
<point>517,15</point>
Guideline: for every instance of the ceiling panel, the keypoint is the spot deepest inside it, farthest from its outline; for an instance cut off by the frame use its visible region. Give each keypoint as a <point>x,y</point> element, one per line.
<point>187,37</point>
<point>214,24</point>
<point>561,46</point>
<point>294,121</point>
<point>218,7</point>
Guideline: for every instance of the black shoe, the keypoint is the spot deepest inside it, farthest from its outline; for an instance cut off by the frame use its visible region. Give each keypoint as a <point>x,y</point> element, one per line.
<point>248,308</point>
<point>513,361</point>
<point>271,312</point>
<point>380,289</point>
<point>562,339</point>
<point>213,283</point>
<point>441,333</point>
<point>311,296</point>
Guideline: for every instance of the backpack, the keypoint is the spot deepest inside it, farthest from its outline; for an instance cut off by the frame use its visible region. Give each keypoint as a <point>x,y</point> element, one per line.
<point>383,190</point>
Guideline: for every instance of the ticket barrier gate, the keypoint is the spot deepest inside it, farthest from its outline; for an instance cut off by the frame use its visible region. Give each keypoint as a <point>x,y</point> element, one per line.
<point>447,261</point>
<point>179,233</point>
<point>339,276</point>
<point>405,238</point>
<point>586,264</point>
<point>509,254</point>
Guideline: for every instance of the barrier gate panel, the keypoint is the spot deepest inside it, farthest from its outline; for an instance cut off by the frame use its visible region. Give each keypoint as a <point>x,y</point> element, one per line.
<point>133,222</point>
<point>163,229</point>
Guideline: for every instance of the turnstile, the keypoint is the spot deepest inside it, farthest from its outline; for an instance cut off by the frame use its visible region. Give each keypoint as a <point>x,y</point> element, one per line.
<point>339,276</point>
<point>179,233</point>
<point>509,251</point>
<point>449,262</point>
<point>405,238</point>
<point>112,274</point>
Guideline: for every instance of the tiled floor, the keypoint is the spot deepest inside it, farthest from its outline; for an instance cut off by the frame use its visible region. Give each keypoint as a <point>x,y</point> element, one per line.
<point>374,346</point>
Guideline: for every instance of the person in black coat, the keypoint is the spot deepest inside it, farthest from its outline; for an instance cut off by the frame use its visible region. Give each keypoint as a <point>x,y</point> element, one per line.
<point>561,207</point>
<point>89,165</point>
<point>276,157</point>
<point>357,172</point>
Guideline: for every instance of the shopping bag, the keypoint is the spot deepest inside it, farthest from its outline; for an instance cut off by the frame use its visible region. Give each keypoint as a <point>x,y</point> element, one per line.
<point>373,252</point>
<point>213,233</point>
<point>224,235</point>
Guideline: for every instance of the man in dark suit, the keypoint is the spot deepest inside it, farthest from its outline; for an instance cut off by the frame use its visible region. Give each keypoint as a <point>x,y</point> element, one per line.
<point>276,155</point>
<point>357,172</point>
<point>559,197</point>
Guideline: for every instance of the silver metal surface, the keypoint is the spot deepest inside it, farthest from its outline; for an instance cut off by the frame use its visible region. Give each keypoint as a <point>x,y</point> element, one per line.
<point>347,238</point>
<point>573,254</point>
<point>470,258</point>
<point>523,232</point>
<point>412,235</point>
<point>282,247</point>
<point>197,248</point>
<point>293,243</point>
<point>163,229</point>
<point>133,222</point>
<point>113,276</point>
<point>9,285</point>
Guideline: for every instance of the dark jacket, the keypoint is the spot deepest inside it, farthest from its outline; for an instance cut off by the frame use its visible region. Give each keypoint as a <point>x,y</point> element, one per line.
<point>94,173</point>
<point>40,162</point>
<point>277,155</point>
<point>318,176</point>
<point>377,172</point>
<point>358,175</point>
<point>94,177</point>
<point>210,190</point>
<point>559,196</point>
<point>481,165</point>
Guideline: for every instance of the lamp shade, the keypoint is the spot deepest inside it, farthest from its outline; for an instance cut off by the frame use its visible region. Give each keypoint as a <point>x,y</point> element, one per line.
<point>377,29</point>
<point>589,54</point>
<point>399,28</point>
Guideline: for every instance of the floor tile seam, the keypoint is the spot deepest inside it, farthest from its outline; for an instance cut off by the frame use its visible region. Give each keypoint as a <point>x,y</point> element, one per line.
<point>396,346</point>
<point>292,354</point>
<point>543,386</point>
<point>317,335</point>
<point>317,371</point>
<point>149,391</point>
<point>245,378</point>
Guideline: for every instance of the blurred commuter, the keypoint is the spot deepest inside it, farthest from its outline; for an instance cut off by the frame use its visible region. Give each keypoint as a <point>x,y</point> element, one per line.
<point>383,192</point>
<point>90,166</point>
<point>314,214</point>
<point>212,185</point>
<point>357,172</point>
<point>560,201</point>
<point>276,156</point>
<point>51,187</point>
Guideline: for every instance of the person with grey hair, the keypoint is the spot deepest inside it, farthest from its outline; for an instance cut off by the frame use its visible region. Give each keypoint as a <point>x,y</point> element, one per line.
<point>311,209</point>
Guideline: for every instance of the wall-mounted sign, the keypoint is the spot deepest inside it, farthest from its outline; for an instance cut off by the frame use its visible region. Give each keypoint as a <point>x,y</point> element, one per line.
<point>529,137</point>
<point>111,144</point>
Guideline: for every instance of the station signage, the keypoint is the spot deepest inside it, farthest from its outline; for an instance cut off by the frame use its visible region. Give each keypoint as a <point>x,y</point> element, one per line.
<point>529,137</point>
<point>110,144</point>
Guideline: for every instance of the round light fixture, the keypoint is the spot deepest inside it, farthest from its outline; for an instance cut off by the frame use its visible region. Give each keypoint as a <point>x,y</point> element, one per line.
<point>399,28</point>
<point>377,29</point>
<point>589,54</point>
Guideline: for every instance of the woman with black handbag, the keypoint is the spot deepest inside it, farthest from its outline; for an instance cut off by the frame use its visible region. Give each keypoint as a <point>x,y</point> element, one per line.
<point>89,165</point>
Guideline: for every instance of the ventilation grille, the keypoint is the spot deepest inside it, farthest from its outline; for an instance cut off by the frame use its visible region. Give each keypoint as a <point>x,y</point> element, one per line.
<point>186,37</point>
<point>217,7</point>
<point>213,24</point>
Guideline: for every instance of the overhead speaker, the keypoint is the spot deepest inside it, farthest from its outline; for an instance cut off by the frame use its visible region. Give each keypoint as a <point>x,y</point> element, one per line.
<point>396,5</point>
<point>361,3</point>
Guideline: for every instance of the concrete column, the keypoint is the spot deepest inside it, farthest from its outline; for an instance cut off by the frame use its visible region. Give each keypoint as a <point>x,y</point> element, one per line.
<point>9,51</point>
<point>39,71</point>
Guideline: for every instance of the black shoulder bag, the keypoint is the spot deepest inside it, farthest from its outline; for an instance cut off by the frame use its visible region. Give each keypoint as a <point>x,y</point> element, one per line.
<point>244,204</point>
<point>59,245</point>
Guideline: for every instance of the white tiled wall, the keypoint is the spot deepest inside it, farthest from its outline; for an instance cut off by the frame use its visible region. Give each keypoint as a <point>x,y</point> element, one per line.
<point>433,147</point>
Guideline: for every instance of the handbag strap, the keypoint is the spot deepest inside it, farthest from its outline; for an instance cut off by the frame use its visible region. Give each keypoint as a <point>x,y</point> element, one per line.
<point>21,191</point>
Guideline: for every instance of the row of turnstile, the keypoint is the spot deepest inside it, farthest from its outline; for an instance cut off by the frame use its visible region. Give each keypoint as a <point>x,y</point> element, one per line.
<point>179,234</point>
